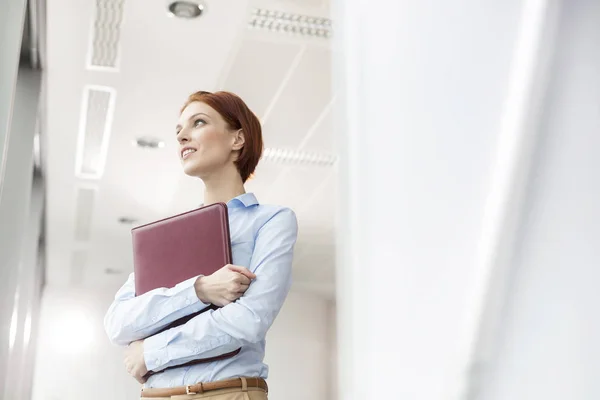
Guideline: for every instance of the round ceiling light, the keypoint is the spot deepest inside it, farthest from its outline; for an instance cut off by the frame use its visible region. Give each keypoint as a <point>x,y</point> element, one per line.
<point>185,9</point>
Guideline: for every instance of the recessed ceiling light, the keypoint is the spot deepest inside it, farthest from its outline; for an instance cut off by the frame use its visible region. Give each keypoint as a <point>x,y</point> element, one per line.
<point>149,143</point>
<point>127,220</point>
<point>185,9</point>
<point>112,271</point>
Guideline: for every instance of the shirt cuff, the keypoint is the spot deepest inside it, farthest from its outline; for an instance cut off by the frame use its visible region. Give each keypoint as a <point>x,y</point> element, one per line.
<point>187,293</point>
<point>155,352</point>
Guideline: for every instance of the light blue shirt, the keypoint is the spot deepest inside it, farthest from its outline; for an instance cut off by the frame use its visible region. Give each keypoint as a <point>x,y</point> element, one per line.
<point>262,239</point>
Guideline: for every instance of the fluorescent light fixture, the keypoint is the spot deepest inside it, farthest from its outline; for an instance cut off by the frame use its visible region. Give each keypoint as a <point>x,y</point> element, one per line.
<point>295,24</point>
<point>97,110</point>
<point>299,157</point>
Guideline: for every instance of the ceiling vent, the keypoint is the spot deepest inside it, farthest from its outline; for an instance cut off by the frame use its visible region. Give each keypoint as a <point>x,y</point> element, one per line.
<point>295,24</point>
<point>97,108</point>
<point>299,157</point>
<point>83,213</point>
<point>103,51</point>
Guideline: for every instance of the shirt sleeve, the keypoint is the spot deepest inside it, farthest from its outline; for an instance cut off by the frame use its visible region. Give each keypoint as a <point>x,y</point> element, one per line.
<point>130,318</point>
<point>217,332</point>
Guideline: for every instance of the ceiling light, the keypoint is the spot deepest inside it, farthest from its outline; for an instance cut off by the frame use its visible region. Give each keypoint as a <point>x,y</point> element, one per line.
<point>290,23</point>
<point>299,157</point>
<point>148,143</point>
<point>127,220</point>
<point>111,271</point>
<point>95,122</point>
<point>185,9</point>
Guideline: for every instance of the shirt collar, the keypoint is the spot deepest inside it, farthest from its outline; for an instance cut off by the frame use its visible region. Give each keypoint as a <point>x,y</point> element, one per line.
<point>245,200</point>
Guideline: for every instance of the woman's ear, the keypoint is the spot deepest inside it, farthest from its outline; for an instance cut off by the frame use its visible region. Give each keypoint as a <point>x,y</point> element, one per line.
<point>239,140</point>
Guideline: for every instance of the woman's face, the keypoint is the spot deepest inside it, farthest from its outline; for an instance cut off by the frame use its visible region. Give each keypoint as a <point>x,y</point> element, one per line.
<point>206,144</point>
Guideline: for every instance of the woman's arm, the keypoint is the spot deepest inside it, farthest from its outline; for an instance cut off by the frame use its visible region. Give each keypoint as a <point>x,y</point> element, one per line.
<point>217,332</point>
<point>132,318</point>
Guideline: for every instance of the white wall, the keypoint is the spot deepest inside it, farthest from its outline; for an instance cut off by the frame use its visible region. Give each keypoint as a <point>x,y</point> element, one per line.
<point>549,346</point>
<point>297,351</point>
<point>422,88</point>
<point>333,354</point>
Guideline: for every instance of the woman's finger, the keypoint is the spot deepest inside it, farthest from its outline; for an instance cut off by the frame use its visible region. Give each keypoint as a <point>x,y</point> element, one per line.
<point>243,288</point>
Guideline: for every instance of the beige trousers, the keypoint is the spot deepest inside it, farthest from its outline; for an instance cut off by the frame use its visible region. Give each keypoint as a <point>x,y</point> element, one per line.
<point>223,394</point>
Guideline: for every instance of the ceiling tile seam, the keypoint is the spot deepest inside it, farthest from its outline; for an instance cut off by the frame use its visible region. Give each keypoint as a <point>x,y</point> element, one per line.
<point>316,124</point>
<point>284,82</point>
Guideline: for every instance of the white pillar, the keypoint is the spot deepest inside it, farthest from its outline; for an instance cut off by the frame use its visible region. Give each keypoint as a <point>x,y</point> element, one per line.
<point>18,236</point>
<point>12,15</point>
<point>549,336</point>
<point>427,127</point>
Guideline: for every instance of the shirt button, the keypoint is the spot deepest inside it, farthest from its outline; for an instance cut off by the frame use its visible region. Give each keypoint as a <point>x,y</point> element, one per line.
<point>188,302</point>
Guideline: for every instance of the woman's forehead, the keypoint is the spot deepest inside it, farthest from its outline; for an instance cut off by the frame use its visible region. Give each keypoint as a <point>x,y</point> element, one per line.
<point>196,107</point>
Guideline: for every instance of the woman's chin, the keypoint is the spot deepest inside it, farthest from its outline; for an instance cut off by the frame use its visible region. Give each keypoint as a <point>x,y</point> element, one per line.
<point>192,170</point>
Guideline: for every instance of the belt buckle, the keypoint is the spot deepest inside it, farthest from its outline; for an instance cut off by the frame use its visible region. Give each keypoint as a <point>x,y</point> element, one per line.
<point>188,390</point>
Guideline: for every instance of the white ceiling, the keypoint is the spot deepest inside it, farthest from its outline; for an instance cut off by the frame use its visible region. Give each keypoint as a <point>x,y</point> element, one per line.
<point>286,80</point>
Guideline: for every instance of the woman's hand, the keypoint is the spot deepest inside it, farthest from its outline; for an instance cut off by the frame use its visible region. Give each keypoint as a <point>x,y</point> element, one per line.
<point>223,286</point>
<point>134,361</point>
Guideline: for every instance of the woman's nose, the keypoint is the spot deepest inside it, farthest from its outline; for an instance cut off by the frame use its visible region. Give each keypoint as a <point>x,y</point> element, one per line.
<point>182,137</point>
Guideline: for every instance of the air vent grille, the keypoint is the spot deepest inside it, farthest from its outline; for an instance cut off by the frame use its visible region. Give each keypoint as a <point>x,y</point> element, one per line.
<point>299,157</point>
<point>106,34</point>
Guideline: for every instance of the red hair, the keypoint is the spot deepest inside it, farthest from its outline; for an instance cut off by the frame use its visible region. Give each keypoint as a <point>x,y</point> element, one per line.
<point>237,115</point>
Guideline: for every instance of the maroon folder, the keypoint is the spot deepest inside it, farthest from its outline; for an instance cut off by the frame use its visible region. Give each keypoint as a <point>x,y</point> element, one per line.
<point>175,249</point>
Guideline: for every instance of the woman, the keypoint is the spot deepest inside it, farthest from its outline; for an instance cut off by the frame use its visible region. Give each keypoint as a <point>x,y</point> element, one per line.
<point>220,142</point>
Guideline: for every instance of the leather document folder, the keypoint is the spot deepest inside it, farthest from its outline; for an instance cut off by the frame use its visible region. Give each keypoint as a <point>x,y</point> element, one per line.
<point>175,249</point>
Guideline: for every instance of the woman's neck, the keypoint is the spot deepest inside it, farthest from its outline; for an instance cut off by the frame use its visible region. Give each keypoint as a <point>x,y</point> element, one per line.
<point>223,187</point>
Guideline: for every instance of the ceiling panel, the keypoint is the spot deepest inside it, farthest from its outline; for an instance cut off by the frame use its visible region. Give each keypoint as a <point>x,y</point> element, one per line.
<point>258,71</point>
<point>307,93</point>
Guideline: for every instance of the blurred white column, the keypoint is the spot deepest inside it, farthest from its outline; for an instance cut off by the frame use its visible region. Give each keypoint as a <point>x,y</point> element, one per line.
<point>433,99</point>
<point>18,239</point>
<point>550,347</point>
<point>12,15</point>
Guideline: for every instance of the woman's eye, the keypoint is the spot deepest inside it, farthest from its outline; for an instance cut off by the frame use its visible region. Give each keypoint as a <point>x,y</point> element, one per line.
<point>199,122</point>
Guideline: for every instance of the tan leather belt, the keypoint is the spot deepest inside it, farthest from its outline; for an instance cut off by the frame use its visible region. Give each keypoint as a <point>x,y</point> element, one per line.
<point>200,388</point>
